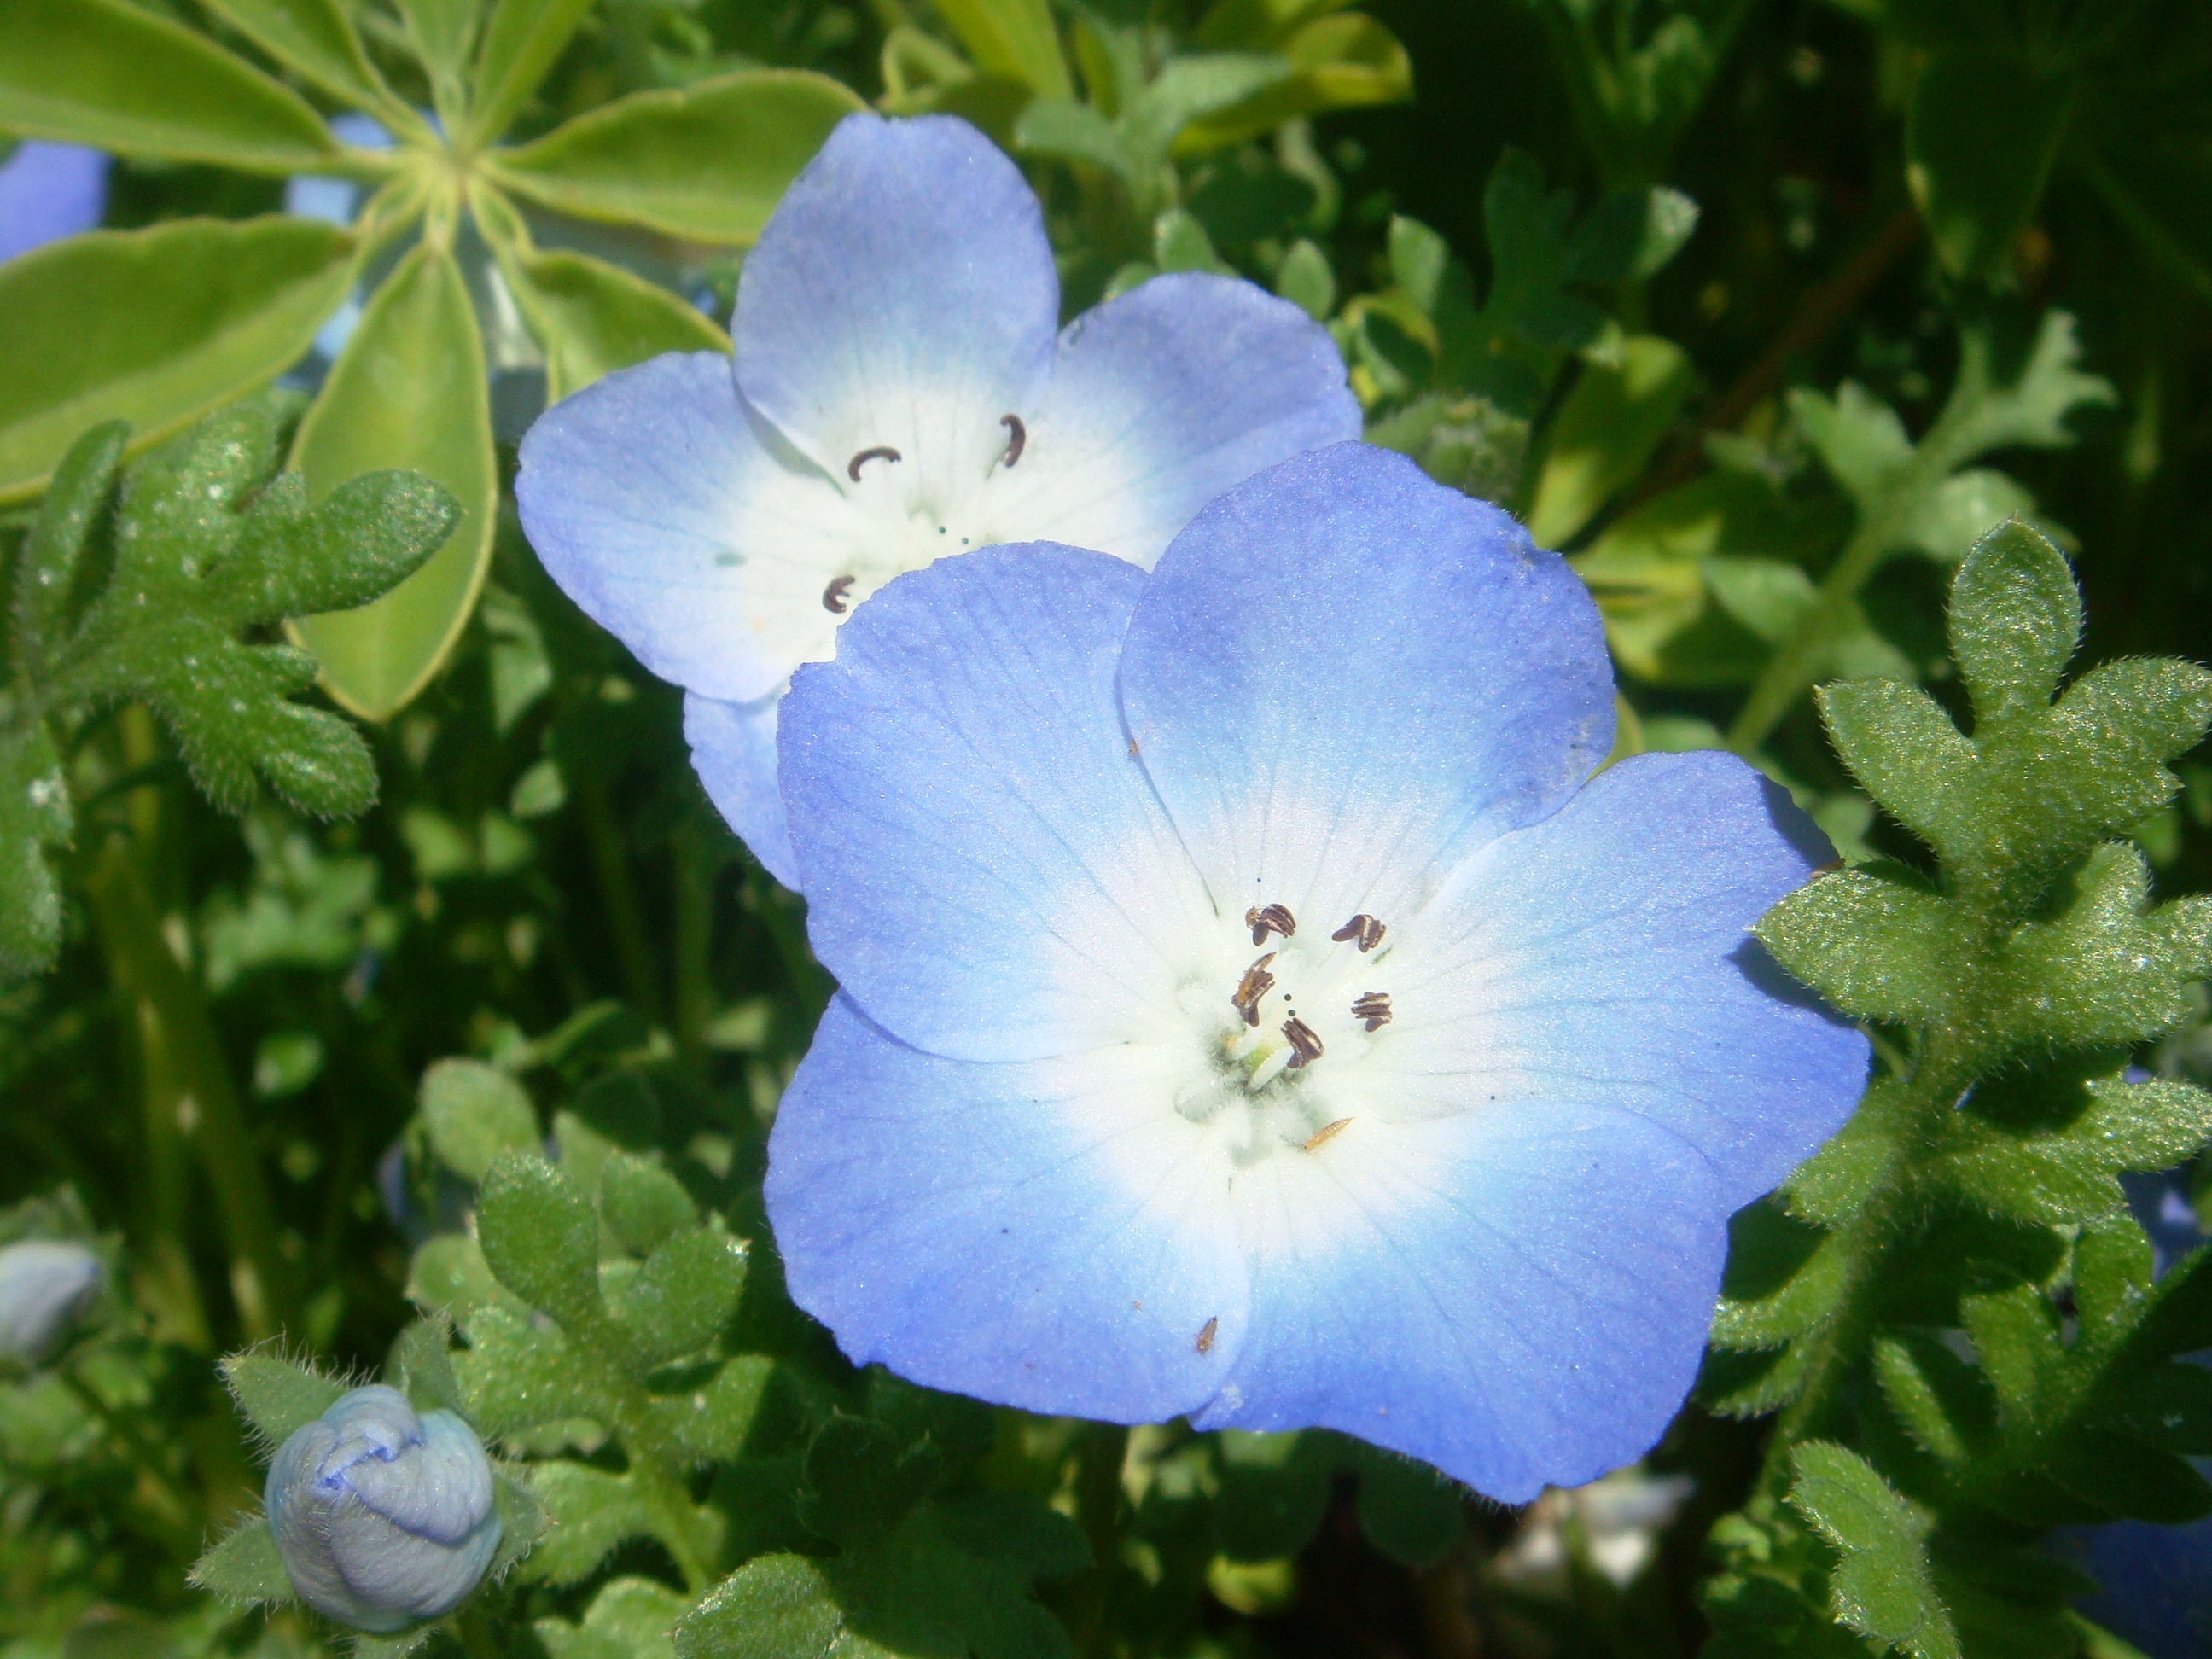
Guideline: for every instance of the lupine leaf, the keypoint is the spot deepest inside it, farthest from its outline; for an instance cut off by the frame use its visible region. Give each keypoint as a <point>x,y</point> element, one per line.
<point>1882,1586</point>
<point>316,38</point>
<point>520,43</point>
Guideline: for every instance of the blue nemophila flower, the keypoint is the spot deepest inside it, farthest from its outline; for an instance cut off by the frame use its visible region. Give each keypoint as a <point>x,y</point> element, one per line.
<point>44,1285</point>
<point>1253,1008</point>
<point>902,391</point>
<point>382,1517</point>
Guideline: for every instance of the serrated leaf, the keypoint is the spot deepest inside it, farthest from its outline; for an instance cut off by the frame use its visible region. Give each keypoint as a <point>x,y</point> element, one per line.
<point>2023,397</point>
<point>473,1113</point>
<point>2063,1172</point>
<point>218,306</point>
<point>1871,941</point>
<point>540,1235</point>
<point>952,1582</point>
<point>591,1512</point>
<point>244,1568</point>
<point>408,391</point>
<point>711,1423</point>
<point>277,1395</point>
<point>708,162</point>
<point>2015,616</point>
<point>1858,437</point>
<point>1882,1586</point>
<point>2108,968</point>
<point>121,78</point>
<point>1963,508</point>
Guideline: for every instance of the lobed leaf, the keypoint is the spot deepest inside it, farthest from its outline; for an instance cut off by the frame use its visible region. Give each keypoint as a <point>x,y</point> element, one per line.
<point>541,1236</point>
<point>1871,941</point>
<point>1882,1586</point>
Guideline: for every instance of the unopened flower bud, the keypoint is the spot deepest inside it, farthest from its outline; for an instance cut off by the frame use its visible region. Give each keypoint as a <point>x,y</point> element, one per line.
<point>382,1517</point>
<point>45,1284</point>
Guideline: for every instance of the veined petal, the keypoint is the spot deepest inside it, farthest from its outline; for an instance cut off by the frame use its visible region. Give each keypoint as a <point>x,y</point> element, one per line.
<point>1162,398</point>
<point>1342,677</point>
<point>901,295</point>
<point>1518,1295</point>
<point>1602,958</point>
<point>1047,1234</point>
<point>988,873</point>
<point>681,523</point>
<point>733,752</point>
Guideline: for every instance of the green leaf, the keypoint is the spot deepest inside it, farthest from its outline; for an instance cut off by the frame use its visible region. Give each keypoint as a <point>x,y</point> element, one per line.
<point>1871,941</point>
<point>1306,279</point>
<point>216,306</point>
<point>408,391</point>
<point>51,573</point>
<point>1981,132</point>
<point>1345,61</point>
<point>2015,617</point>
<point>708,163</point>
<point>523,1519</point>
<point>277,1395</point>
<point>862,1476</point>
<point>951,1582</point>
<point>628,1619</point>
<point>520,43</point>
<point>441,31</point>
<point>683,1296</point>
<point>1407,1510</point>
<point>35,815</point>
<point>118,78</point>
<point>1904,752</point>
<point>1605,432</point>
<point>1273,1490</point>
<point>2064,1173</point>
<point>1943,1402</point>
<point>424,1368</point>
<point>1881,1587</point>
<point>244,1568</point>
<point>2005,395</point>
<point>1784,1278</point>
<point>316,38</point>
<point>540,1235</point>
<point>518,1377</point>
<point>591,1512</point>
<point>1012,38</point>
<point>473,1113</point>
<point>642,1203</point>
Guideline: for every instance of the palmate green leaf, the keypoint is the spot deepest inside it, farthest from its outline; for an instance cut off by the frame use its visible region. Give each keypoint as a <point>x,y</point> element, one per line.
<point>317,39</point>
<point>708,163</point>
<point>118,78</point>
<point>1013,38</point>
<point>408,391</point>
<point>520,42</point>
<point>951,1580</point>
<point>1981,130</point>
<point>217,308</point>
<point>244,1568</point>
<point>1882,1586</point>
<point>1604,433</point>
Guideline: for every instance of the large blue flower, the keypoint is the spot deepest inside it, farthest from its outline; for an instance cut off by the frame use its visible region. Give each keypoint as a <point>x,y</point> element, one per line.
<point>1253,1009</point>
<point>902,391</point>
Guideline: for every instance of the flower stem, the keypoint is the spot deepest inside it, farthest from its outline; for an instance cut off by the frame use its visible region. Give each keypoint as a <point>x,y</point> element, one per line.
<point>618,891</point>
<point>1098,1498</point>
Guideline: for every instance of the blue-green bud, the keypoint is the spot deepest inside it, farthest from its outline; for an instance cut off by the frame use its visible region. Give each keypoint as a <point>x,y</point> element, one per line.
<point>382,1517</point>
<point>45,1284</point>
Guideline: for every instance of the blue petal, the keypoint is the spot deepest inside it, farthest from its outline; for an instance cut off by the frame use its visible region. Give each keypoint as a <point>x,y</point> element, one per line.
<point>986,873</point>
<point>1343,675</point>
<point>662,507</point>
<point>1164,398</point>
<point>1602,958</point>
<point>48,191</point>
<point>1518,1295</point>
<point>733,751</point>
<point>902,294</point>
<point>1046,1235</point>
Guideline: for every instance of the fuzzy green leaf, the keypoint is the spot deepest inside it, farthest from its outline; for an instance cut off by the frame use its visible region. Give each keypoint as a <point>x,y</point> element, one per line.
<point>642,1203</point>
<point>52,570</point>
<point>2066,1172</point>
<point>683,1296</point>
<point>1870,940</point>
<point>2015,617</point>
<point>1783,1279</point>
<point>541,1236</point>
<point>518,1377</point>
<point>277,1395</point>
<point>1882,1586</point>
<point>1981,133</point>
<point>424,1367</point>
<point>475,1113</point>
<point>35,815</point>
<point>244,1568</point>
<point>628,1619</point>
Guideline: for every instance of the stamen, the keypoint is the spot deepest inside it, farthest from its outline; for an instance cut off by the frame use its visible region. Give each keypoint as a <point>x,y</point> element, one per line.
<point>1374,1007</point>
<point>1250,988</point>
<point>1206,1337</point>
<point>1273,918</point>
<point>1365,928</point>
<point>880,452</point>
<point>1020,437</point>
<point>833,597</point>
<point>1305,1046</point>
<point>1327,1132</point>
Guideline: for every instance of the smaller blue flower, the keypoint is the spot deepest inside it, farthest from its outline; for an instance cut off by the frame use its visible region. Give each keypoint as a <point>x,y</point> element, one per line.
<point>48,191</point>
<point>44,1285</point>
<point>901,391</point>
<point>382,1517</point>
<point>1253,1009</point>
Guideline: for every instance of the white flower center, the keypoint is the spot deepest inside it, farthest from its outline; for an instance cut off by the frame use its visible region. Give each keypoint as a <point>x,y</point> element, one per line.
<point>911,511</point>
<point>1276,1041</point>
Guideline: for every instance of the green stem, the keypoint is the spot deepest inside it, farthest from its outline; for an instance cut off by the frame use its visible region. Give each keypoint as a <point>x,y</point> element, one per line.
<point>1098,1499</point>
<point>618,888</point>
<point>699,861</point>
<point>188,1083</point>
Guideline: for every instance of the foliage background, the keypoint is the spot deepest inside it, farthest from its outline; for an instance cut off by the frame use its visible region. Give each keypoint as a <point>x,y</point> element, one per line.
<point>232,1069</point>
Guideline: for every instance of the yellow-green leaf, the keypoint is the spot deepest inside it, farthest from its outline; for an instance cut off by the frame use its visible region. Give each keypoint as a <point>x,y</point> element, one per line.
<point>407,392</point>
<point>214,308</point>
<point>1606,430</point>
<point>117,77</point>
<point>316,39</point>
<point>519,44</point>
<point>1346,60</point>
<point>1012,38</point>
<point>593,319</point>
<point>708,163</point>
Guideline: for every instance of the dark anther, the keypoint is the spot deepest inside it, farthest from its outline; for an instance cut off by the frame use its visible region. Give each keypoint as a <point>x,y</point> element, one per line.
<point>1365,928</point>
<point>1252,987</point>
<point>1328,1132</point>
<point>1205,1343</point>
<point>1375,1008</point>
<point>1270,919</point>
<point>833,597</point>
<point>880,452</point>
<point>1305,1046</point>
<point>1018,435</point>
